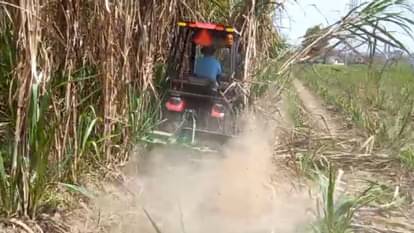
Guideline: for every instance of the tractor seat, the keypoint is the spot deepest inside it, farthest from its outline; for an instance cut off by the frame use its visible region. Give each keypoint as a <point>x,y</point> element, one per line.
<point>199,81</point>
<point>199,85</point>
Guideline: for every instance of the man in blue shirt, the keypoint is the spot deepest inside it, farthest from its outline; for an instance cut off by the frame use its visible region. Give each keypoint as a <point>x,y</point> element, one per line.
<point>208,67</point>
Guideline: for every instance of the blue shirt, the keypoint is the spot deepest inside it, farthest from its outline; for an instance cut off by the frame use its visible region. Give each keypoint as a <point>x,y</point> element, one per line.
<point>208,67</point>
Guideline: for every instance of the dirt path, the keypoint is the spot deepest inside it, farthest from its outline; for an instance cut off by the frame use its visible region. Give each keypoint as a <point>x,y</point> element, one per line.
<point>321,118</point>
<point>241,189</point>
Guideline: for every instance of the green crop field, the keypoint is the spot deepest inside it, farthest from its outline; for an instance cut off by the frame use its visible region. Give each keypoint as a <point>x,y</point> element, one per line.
<point>379,100</point>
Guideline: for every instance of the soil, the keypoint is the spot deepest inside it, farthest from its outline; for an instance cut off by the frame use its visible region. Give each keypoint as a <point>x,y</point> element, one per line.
<point>321,118</point>
<point>230,191</point>
<point>247,187</point>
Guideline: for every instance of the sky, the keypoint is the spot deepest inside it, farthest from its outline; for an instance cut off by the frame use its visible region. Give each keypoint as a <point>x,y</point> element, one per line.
<point>301,15</point>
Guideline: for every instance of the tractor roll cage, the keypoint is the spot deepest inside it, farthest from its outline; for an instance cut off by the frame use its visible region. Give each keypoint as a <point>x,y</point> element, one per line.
<point>182,57</point>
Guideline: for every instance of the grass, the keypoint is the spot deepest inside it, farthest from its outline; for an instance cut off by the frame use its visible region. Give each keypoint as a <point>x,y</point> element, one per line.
<point>30,163</point>
<point>337,210</point>
<point>379,104</point>
<point>306,158</point>
<point>294,108</point>
<point>407,157</point>
<point>378,101</point>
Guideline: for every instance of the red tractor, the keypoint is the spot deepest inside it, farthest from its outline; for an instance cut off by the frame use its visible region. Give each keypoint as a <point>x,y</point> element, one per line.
<point>195,106</point>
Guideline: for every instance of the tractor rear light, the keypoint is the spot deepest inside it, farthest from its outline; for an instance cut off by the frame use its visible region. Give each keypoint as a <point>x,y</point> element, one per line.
<point>175,104</point>
<point>182,24</point>
<point>217,111</point>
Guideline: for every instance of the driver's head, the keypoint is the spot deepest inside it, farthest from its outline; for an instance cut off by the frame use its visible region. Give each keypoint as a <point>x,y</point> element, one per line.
<point>208,50</point>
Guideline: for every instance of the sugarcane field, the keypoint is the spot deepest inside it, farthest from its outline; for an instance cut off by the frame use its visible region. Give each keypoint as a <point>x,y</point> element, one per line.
<point>199,116</point>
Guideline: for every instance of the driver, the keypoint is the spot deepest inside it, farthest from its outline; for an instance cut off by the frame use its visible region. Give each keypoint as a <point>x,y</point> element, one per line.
<point>208,67</point>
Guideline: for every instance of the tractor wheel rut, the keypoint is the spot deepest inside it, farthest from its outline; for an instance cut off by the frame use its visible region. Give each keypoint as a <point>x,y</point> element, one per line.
<point>321,118</point>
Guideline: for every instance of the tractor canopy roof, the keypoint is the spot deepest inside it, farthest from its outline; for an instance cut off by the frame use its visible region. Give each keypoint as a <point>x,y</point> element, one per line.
<point>208,26</point>
<point>207,34</point>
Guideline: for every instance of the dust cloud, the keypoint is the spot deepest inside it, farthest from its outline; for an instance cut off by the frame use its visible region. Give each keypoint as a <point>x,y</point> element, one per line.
<point>185,191</point>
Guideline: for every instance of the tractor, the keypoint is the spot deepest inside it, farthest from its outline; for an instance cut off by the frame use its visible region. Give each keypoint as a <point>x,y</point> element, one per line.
<point>195,107</point>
